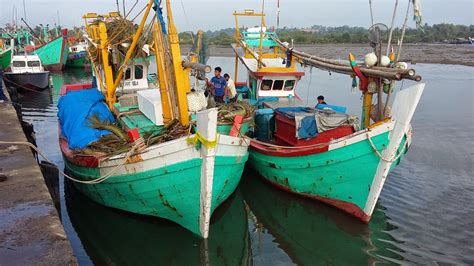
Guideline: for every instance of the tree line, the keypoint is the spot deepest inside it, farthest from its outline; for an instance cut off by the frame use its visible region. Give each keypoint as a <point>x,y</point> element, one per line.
<point>317,34</point>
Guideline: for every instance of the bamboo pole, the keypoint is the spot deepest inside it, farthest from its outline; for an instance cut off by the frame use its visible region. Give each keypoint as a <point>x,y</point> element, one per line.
<point>371,12</point>
<point>403,31</point>
<point>391,28</point>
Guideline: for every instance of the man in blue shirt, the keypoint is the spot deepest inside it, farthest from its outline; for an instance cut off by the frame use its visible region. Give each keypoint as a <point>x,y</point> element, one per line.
<point>3,98</point>
<point>217,85</point>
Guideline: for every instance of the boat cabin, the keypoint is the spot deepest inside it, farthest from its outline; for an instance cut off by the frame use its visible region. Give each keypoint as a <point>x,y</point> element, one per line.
<point>78,48</point>
<point>26,64</point>
<point>135,78</point>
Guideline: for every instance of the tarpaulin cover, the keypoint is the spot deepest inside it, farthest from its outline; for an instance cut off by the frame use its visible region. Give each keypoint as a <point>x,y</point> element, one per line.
<point>74,110</point>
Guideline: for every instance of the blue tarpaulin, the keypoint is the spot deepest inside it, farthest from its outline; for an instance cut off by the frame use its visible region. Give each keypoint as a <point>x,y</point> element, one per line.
<point>74,110</point>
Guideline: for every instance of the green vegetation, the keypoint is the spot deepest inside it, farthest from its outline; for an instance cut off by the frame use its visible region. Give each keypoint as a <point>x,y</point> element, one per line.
<point>320,34</point>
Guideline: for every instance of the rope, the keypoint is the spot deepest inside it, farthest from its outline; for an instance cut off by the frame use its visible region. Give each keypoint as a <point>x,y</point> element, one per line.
<point>205,142</point>
<point>88,182</point>
<point>21,86</point>
<point>379,154</point>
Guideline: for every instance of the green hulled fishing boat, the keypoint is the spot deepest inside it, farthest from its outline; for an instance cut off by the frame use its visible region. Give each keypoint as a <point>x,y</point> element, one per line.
<point>77,57</point>
<point>53,51</point>
<point>165,164</point>
<point>321,152</point>
<point>5,57</point>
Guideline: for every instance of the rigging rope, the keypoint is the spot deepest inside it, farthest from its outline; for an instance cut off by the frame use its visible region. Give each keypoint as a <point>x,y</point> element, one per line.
<point>101,179</point>
<point>369,138</point>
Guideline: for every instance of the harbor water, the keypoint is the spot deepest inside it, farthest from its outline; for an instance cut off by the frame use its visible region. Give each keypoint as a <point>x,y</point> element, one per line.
<point>425,213</point>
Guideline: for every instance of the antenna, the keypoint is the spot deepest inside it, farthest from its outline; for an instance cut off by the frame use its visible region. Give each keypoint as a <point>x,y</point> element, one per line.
<point>24,10</point>
<point>278,14</point>
<point>59,21</point>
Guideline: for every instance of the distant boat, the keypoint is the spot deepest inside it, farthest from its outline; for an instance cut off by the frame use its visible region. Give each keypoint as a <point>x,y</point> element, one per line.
<point>26,73</point>
<point>6,54</point>
<point>471,40</point>
<point>53,54</point>
<point>77,57</point>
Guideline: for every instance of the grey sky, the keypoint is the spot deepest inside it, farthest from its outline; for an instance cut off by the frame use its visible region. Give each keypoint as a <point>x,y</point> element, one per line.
<point>212,14</point>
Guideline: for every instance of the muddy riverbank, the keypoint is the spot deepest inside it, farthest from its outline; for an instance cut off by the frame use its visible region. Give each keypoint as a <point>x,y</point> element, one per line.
<point>451,54</point>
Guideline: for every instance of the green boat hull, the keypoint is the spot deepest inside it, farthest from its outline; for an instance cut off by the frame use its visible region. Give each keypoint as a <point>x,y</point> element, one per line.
<point>77,62</point>
<point>5,58</point>
<point>171,192</point>
<point>341,177</point>
<point>53,54</point>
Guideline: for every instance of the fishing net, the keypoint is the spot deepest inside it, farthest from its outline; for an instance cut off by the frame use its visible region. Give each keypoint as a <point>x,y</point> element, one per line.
<point>227,112</point>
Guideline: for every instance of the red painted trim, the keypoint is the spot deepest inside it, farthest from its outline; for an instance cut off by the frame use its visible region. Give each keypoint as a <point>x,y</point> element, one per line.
<point>74,87</point>
<point>345,206</point>
<point>287,152</point>
<point>74,157</point>
<point>284,74</point>
<point>240,83</point>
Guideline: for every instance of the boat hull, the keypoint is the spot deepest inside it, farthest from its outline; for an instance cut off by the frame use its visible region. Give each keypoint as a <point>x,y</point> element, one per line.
<point>340,174</point>
<point>77,60</point>
<point>5,58</point>
<point>53,54</point>
<point>163,181</point>
<point>27,81</point>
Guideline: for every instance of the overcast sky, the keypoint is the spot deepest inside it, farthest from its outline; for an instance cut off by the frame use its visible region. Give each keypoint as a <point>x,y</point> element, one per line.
<point>212,14</point>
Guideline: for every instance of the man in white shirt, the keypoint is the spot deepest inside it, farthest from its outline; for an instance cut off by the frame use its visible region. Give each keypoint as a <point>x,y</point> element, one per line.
<point>230,89</point>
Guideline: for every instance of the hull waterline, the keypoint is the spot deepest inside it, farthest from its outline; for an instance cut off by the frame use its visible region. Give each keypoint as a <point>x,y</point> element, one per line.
<point>27,81</point>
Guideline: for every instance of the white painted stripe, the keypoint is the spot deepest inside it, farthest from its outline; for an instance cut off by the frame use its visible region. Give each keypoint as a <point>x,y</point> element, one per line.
<point>403,109</point>
<point>361,135</point>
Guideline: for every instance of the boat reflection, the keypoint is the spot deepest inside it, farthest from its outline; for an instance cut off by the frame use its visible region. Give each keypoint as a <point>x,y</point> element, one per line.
<point>113,237</point>
<point>312,233</point>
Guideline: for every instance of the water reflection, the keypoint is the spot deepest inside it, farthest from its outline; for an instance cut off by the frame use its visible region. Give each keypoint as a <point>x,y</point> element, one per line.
<point>312,233</point>
<point>113,237</point>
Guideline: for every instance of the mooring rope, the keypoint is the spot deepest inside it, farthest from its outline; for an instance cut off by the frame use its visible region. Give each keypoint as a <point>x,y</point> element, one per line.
<point>380,155</point>
<point>101,179</point>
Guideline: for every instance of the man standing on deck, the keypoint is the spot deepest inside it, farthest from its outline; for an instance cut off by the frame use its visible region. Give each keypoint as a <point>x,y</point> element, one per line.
<point>217,84</point>
<point>3,98</point>
<point>230,89</point>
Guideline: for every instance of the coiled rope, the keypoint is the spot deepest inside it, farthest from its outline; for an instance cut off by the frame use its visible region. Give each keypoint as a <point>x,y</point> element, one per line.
<point>380,155</point>
<point>137,145</point>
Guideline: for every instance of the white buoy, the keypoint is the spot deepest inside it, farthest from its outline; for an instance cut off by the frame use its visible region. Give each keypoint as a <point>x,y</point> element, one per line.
<point>384,61</point>
<point>401,65</point>
<point>370,59</point>
<point>372,87</point>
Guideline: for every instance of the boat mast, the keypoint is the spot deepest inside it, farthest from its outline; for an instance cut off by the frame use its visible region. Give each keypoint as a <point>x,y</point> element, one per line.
<point>179,73</point>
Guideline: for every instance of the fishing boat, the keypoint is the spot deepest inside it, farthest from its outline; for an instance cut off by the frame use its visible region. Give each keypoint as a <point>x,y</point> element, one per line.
<point>27,73</point>
<point>77,57</point>
<point>53,51</point>
<point>168,165</point>
<point>6,53</point>
<point>323,153</point>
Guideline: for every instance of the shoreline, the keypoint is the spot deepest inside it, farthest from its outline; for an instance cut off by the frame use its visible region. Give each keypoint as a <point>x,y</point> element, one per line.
<point>449,54</point>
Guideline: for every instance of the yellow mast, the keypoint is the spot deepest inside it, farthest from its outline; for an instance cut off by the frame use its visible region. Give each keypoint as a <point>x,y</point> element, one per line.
<point>160,65</point>
<point>179,73</point>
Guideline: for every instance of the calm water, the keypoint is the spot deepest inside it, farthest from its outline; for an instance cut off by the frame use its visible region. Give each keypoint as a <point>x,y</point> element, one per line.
<point>425,213</point>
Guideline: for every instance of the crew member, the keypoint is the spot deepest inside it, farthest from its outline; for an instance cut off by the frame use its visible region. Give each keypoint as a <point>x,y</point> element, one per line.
<point>320,100</point>
<point>230,89</point>
<point>218,85</point>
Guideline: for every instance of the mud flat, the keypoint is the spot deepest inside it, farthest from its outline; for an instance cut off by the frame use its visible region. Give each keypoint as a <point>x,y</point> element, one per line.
<point>461,54</point>
<point>31,232</point>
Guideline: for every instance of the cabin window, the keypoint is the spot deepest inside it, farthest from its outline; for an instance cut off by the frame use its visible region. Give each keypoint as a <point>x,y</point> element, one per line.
<point>278,85</point>
<point>138,72</point>
<point>128,74</point>
<point>289,85</point>
<point>18,64</point>
<point>34,63</point>
<point>266,84</point>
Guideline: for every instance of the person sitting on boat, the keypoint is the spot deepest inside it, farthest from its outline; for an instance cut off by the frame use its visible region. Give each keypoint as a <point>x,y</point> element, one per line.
<point>320,101</point>
<point>217,84</point>
<point>3,98</point>
<point>230,89</point>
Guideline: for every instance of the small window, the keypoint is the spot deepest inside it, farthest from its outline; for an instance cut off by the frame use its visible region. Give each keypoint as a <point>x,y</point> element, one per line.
<point>128,74</point>
<point>18,63</point>
<point>278,85</point>
<point>289,85</point>
<point>266,85</point>
<point>34,63</point>
<point>138,72</point>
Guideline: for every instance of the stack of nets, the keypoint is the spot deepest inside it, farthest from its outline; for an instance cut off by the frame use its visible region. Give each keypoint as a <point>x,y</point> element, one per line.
<point>118,142</point>
<point>120,32</point>
<point>227,112</point>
